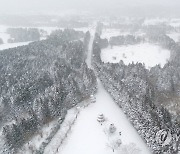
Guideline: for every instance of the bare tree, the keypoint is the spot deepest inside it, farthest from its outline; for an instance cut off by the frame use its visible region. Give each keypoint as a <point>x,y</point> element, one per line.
<point>129,149</point>
<point>115,144</point>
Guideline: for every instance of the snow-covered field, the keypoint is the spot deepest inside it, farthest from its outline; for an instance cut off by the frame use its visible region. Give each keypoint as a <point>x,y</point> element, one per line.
<point>175,36</point>
<point>175,22</point>
<point>5,38</point>
<point>155,21</point>
<point>12,45</point>
<point>3,35</point>
<point>146,53</point>
<point>63,132</point>
<point>89,137</point>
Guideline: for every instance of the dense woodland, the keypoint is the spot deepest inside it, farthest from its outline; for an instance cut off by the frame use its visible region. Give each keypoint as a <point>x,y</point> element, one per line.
<point>40,82</point>
<point>72,24</point>
<point>149,98</point>
<point>23,34</point>
<point>135,25</point>
<point>1,41</point>
<point>125,40</point>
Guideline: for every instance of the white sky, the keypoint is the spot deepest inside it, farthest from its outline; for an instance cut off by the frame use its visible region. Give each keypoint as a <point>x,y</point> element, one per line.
<point>15,6</point>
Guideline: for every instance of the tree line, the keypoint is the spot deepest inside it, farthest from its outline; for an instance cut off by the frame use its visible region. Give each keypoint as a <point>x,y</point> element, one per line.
<point>132,88</point>
<point>40,82</point>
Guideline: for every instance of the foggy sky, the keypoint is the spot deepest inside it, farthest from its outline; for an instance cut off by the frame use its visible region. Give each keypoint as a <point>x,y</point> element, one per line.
<point>43,6</point>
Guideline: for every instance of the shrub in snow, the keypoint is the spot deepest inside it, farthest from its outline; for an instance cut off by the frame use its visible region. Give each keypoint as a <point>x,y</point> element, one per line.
<point>129,149</point>
<point>112,128</point>
<point>114,144</point>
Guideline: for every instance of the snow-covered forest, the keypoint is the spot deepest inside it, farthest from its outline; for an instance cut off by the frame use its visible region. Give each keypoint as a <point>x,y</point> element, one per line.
<point>40,82</point>
<point>147,97</point>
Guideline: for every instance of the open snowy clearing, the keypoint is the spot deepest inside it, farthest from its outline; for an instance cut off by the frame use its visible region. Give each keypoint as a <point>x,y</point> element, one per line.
<point>146,53</point>
<point>12,45</point>
<point>3,28</point>
<point>175,22</point>
<point>175,36</point>
<point>155,21</point>
<point>4,36</point>
<point>87,136</point>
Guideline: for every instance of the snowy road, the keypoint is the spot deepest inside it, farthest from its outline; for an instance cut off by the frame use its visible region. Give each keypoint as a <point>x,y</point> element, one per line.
<point>89,137</point>
<point>92,32</point>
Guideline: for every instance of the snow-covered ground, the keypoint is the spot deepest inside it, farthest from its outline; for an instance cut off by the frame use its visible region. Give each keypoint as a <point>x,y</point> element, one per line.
<point>38,139</point>
<point>3,28</point>
<point>146,53</point>
<point>3,35</point>
<point>89,137</point>
<point>63,132</point>
<point>175,22</point>
<point>155,21</point>
<point>12,45</point>
<point>175,36</point>
<point>5,38</point>
<point>88,60</point>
